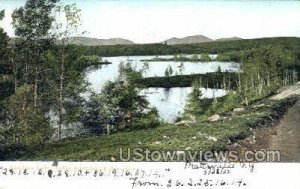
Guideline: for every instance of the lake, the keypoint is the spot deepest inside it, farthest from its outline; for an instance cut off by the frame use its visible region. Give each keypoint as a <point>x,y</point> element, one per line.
<point>171,102</point>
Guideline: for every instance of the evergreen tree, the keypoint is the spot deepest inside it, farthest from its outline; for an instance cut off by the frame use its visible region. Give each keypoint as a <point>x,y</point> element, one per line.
<point>145,68</point>
<point>168,71</point>
<point>167,74</point>
<point>205,57</point>
<point>181,68</point>
<point>194,104</point>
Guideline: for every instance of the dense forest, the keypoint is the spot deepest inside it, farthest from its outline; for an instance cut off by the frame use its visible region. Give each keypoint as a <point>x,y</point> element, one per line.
<point>215,47</point>
<point>41,78</point>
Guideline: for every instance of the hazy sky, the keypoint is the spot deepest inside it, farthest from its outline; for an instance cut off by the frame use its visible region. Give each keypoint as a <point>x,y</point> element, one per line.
<point>154,21</point>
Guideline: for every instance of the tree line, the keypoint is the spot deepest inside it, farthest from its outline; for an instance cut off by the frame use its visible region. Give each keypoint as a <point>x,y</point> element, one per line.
<point>263,71</point>
<point>215,47</point>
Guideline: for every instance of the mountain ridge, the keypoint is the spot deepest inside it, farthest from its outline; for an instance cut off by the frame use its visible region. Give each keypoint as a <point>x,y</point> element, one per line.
<point>229,39</point>
<point>95,41</point>
<point>187,40</point>
<point>87,41</point>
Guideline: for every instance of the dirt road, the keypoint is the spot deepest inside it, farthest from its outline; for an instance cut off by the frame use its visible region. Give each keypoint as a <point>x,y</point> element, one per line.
<point>284,136</point>
<point>288,91</point>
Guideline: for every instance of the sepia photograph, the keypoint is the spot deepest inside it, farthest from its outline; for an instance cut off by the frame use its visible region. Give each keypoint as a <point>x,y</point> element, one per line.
<point>149,94</point>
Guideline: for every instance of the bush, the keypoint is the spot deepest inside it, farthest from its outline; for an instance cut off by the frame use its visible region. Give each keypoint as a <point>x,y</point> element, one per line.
<point>27,125</point>
<point>149,121</point>
<point>224,104</point>
<point>205,57</point>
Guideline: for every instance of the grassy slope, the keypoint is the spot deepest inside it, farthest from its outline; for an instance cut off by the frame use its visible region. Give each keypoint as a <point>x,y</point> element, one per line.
<point>235,126</point>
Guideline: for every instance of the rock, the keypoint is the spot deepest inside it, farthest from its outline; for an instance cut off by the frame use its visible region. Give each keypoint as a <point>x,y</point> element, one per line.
<point>166,137</point>
<point>188,148</point>
<point>211,138</point>
<point>201,134</point>
<point>184,123</point>
<point>258,106</point>
<point>140,143</point>
<point>236,145</point>
<point>193,118</point>
<point>238,109</point>
<point>157,142</point>
<point>112,159</point>
<point>214,118</point>
<point>229,141</point>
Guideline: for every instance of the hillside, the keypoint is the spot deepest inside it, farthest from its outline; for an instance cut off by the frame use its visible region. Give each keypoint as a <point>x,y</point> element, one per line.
<point>187,40</point>
<point>199,136</point>
<point>97,42</point>
<point>229,39</point>
<point>86,41</point>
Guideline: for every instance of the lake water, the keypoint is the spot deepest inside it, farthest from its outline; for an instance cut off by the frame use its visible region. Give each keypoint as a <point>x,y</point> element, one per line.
<point>168,102</point>
<point>171,102</point>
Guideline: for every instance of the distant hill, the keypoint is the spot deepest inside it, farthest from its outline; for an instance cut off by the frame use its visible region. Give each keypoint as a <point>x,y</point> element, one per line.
<point>95,42</point>
<point>119,41</point>
<point>229,39</point>
<point>187,40</point>
<point>90,41</point>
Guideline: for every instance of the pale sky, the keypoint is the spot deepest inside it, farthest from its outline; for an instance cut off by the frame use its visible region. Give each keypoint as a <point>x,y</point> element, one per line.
<point>155,21</point>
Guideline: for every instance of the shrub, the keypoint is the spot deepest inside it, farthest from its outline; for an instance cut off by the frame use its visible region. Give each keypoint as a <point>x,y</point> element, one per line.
<point>225,103</point>
<point>26,125</point>
<point>147,122</point>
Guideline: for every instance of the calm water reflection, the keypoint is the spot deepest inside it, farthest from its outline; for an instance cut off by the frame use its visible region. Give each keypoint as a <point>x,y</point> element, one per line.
<point>169,102</point>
